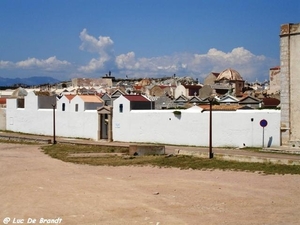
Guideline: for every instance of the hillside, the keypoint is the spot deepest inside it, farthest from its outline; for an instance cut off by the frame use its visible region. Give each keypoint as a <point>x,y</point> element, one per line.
<point>30,81</point>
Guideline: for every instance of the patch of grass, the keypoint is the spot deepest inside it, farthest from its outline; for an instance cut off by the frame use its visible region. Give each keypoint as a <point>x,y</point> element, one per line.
<point>253,149</point>
<point>189,162</point>
<point>63,151</point>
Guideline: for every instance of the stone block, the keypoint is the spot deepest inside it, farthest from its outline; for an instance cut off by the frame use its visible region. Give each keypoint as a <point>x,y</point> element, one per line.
<point>140,150</point>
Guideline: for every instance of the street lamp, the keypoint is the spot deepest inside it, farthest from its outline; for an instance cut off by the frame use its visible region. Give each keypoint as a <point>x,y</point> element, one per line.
<point>54,140</point>
<point>211,100</point>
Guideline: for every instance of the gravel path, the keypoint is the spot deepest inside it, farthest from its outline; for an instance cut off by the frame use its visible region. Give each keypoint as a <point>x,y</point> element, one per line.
<point>36,188</point>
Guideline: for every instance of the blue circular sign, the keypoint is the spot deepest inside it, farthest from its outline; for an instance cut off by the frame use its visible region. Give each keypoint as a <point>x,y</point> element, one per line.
<point>263,123</point>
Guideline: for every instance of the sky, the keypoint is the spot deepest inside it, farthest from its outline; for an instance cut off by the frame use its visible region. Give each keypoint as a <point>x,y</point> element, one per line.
<point>67,39</point>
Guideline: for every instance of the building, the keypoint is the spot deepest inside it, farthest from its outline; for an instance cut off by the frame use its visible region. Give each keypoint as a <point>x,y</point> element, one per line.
<point>290,79</point>
<point>228,81</point>
<point>231,79</point>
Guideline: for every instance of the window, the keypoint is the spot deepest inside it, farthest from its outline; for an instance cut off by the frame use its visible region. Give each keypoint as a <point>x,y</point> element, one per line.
<point>76,107</point>
<point>63,106</point>
<point>121,108</point>
<point>20,103</point>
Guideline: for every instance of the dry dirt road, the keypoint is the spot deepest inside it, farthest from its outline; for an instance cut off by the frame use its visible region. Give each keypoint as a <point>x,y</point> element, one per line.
<point>36,189</point>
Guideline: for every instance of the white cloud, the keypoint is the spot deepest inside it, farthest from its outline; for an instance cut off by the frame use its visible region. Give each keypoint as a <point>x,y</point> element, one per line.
<point>249,65</point>
<point>5,64</point>
<point>197,65</point>
<point>127,61</point>
<point>93,65</point>
<point>34,66</point>
<point>91,44</point>
<point>103,46</point>
<point>50,64</point>
<point>245,62</point>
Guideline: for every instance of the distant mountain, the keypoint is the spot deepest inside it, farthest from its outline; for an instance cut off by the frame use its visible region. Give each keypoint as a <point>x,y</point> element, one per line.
<point>30,81</point>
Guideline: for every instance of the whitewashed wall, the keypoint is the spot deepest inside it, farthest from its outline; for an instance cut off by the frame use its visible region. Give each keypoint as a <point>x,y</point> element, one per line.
<point>40,121</point>
<point>231,128</point>
<point>66,101</point>
<point>79,101</point>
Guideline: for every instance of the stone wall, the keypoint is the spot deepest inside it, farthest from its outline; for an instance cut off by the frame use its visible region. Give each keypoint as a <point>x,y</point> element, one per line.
<point>290,70</point>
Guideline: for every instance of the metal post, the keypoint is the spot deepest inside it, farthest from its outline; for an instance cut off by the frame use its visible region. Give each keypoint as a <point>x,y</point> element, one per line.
<point>210,129</point>
<point>54,140</point>
<point>263,138</point>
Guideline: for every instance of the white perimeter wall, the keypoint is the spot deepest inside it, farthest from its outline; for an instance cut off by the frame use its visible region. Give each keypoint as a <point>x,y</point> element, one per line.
<point>231,128</point>
<point>68,124</point>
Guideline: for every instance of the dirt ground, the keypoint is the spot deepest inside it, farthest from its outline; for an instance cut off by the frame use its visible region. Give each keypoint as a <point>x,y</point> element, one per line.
<point>38,189</point>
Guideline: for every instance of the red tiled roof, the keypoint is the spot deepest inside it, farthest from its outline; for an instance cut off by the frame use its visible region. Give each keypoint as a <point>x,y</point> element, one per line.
<point>2,101</point>
<point>221,107</point>
<point>136,98</point>
<point>271,101</point>
<point>275,68</point>
<point>70,97</point>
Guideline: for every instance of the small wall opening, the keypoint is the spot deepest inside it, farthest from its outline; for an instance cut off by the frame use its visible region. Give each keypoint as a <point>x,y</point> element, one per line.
<point>20,103</point>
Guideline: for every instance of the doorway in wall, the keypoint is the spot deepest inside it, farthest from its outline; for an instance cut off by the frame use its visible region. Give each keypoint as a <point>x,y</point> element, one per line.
<point>104,126</point>
<point>105,123</point>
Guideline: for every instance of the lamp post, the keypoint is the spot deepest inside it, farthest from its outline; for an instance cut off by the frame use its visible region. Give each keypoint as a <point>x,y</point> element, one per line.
<point>54,140</point>
<point>210,153</point>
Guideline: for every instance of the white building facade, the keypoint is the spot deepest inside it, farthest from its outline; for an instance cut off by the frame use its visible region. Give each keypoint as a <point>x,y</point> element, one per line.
<point>230,128</point>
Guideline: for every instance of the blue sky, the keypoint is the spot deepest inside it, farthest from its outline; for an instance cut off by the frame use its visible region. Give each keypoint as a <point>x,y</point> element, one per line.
<point>141,38</point>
